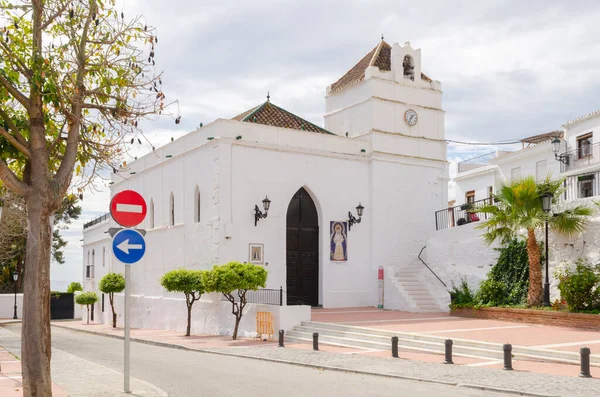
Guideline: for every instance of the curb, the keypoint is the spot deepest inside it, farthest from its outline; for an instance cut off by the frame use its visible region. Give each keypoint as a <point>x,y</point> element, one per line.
<point>316,366</point>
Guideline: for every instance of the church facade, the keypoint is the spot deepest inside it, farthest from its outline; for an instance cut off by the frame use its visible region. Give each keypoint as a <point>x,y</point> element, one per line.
<point>271,188</point>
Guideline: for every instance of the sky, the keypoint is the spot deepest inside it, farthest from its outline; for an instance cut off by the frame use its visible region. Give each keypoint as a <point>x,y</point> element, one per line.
<point>509,69</point>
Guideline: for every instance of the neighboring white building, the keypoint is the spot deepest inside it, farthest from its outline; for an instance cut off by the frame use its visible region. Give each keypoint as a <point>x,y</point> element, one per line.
<point>382,146</point>
<point>580,163</point>
<point>478,178</point>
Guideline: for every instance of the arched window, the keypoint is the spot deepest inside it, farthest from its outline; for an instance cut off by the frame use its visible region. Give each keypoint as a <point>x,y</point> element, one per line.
<point>93,257</point>
<point>171,210</point>
<point>151,215</point>
<point>103,256</point>
<point>197,205</point>
<point>409,67</point>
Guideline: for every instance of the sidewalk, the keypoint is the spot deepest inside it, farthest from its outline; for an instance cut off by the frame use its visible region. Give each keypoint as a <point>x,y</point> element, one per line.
<point>73,376</point>
<point>11,384</point>
<point>529,378</point>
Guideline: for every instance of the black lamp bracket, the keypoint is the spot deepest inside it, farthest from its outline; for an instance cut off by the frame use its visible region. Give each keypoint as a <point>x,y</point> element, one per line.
<point>352,220</point>
<point>258,214</point>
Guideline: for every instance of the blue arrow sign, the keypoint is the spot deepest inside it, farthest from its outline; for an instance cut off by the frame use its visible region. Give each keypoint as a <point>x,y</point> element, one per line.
<point>129,246</point>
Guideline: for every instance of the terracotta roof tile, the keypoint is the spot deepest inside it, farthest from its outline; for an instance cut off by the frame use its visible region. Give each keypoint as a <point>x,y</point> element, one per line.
<point>380,56</point>
<point>270,114</point>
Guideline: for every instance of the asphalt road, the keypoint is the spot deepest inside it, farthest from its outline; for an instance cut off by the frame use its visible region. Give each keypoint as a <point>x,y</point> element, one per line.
<point>189,374</point>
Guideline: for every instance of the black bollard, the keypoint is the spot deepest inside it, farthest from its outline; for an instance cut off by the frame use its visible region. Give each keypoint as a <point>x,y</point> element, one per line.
<point>507,357</point>
<point>585,362</point>
<point>281,332</point>
<point>395,346</point>
<point>448,359</point>
<point>316,341</point>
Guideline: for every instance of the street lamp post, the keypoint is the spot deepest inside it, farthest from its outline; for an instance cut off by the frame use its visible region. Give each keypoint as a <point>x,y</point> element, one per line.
<point>547,207</point>
<point>15,277</point>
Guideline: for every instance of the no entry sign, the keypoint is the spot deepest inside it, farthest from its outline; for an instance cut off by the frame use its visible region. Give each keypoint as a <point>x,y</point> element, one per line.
<point>128,208</point>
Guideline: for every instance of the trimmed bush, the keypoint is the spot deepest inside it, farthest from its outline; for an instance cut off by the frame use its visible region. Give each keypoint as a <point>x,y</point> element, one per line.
<point>236,278</point>
<point>88,299</point>
<point>74,286</point>
<point>191,283</point>
<point>109,284</point>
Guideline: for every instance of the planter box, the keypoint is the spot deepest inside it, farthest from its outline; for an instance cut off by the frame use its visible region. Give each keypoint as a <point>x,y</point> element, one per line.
<point>532,316</point>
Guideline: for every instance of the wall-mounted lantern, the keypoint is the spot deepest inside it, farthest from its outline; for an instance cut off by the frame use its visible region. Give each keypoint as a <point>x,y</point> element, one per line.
<point>258,214</point>
<point>563,158</point>
<point>351,219</point>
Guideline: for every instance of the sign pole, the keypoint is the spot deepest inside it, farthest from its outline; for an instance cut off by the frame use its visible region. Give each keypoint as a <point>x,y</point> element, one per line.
<point>127,353</point>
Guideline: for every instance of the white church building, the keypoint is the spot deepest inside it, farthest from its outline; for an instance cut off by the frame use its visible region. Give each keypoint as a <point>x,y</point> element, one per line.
<point>382,149</point>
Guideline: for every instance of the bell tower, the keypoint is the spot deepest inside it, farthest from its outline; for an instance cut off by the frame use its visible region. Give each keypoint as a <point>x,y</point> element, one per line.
<point>387,92</point>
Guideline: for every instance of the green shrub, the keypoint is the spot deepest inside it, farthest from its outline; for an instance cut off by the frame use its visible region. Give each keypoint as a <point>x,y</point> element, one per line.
<point>491,293</point>
<point>462,295</point>
<point>580,287</point>
<point>74,286</point>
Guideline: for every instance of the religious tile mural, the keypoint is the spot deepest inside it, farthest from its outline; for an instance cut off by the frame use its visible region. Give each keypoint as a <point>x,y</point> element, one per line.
<point>339,241</point>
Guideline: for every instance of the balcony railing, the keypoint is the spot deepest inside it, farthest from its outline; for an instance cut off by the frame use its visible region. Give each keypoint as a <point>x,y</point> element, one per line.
<point>263,296</point>
<point>461,214</point>
<point>581,158</point>
<point>100,219</point>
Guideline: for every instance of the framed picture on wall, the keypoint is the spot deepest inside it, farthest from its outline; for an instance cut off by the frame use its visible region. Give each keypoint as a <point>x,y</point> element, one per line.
<point>338,241</point>
<point>256,253</point>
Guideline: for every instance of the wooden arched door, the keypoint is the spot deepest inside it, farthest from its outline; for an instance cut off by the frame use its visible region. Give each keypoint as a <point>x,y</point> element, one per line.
<point>302,245</point>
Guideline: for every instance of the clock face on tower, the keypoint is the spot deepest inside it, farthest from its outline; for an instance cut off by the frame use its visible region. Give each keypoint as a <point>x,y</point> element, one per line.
<point>411,118</point>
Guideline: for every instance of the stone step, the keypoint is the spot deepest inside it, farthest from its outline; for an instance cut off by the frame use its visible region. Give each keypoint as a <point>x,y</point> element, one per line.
<point>371,338</point>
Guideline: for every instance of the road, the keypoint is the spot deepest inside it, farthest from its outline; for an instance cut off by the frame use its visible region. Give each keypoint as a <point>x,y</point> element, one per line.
<point>189,374</point>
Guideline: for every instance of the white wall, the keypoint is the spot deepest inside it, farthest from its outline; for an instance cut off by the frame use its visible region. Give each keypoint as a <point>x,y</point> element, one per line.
<point>7,305</point>
<point>527,159</point>
<point>479,180</point>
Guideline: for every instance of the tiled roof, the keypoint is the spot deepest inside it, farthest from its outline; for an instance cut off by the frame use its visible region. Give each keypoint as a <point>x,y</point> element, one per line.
<point>270,114</point>
<point>380,56</point>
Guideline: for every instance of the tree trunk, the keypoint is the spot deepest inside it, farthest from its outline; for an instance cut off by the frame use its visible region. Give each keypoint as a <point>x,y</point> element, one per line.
<point>238,319</point>
<point>88,314</point>
<point>189,319</point>
<point>111,296</point>
<point>35,332</point>
<point>535,293</point>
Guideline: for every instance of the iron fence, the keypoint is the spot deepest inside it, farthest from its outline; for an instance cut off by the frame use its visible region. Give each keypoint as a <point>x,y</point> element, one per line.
<point>100,219</point>
<point>263,296</point>
<point>461,214</point>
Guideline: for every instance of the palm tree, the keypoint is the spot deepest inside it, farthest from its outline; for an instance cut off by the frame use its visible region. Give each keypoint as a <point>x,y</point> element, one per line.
<point>518,208</point>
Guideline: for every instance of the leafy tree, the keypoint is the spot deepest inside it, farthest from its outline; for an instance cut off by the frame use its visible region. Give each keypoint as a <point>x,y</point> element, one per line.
<point>13,229</point>
<point>190,282</point>
<point>519,208</point>
<point>234,280</point>
<point>88,299</point>
<point>109,284</point>
<point>75,81</point>
<point>74,286</point>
